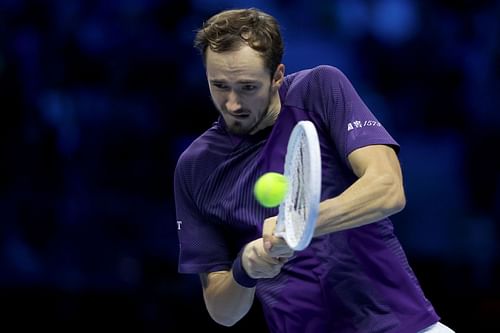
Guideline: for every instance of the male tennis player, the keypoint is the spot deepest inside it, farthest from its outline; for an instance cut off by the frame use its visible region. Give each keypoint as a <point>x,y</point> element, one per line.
<point>354,276</point>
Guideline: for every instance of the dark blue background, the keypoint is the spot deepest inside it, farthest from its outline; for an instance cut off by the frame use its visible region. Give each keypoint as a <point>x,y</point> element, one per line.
<point>98,99</point>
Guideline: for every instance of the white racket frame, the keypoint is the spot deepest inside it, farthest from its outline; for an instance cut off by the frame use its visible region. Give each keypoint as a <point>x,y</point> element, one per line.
<point>303,130</point>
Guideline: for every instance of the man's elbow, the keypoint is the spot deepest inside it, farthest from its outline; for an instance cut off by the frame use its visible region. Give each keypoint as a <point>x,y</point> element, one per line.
<point>226,317</point>
<point>395,199</point>
<point>223,319</point>
<point>399,201</point>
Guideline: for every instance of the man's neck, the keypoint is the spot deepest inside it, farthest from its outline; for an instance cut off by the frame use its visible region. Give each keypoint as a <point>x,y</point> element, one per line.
<point>271,115</point>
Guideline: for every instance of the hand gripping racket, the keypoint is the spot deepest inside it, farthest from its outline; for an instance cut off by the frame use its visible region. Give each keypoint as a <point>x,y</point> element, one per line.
<point>299,209</point>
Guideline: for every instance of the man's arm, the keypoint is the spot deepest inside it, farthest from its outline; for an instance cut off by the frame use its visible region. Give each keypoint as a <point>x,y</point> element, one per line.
<point>226,301</point>
<point>378,192</point>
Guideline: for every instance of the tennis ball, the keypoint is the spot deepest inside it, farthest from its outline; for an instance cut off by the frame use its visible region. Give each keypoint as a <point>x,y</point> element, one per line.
<point>270,189</point>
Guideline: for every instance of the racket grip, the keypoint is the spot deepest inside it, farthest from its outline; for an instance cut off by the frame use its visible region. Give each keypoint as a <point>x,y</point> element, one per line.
<point>279,231</point>
<point>280,234</point>
<point>240,275</point>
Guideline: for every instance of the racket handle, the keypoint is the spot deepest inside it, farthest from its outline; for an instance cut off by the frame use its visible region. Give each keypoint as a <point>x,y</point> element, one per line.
<point>279,234</point>
<point>279,231</point>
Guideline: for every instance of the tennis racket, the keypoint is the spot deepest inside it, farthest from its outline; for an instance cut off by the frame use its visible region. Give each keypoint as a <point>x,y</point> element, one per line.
<point>299,209</point>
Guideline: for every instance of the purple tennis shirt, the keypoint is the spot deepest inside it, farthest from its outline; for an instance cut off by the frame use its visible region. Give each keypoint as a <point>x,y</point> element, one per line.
<point>356,280</point>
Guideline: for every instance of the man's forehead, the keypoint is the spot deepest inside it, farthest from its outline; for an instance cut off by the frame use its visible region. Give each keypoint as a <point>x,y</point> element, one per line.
<point>245,63</point>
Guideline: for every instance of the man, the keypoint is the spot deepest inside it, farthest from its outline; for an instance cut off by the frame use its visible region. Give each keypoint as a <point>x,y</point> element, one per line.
<point>354,276</point>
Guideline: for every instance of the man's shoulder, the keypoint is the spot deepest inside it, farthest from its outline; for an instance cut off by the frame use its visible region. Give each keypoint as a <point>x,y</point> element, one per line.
<point>314,74</point>
<point>300,87</point>
<point>204,152</point>
<point>319,77</point>
<point>202,146</point>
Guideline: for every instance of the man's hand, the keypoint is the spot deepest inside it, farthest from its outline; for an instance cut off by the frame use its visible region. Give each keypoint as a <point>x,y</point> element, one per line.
<point>264,257</point>
<point>274,246</point>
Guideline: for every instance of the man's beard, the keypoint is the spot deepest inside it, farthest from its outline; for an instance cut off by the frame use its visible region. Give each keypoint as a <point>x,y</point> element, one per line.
<point>238,128</point>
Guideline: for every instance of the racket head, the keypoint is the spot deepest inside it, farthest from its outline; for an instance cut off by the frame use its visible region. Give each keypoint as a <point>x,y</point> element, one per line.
<point>299,210</point>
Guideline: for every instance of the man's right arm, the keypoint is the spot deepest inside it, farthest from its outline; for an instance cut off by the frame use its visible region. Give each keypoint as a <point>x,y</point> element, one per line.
<point>226,300</point>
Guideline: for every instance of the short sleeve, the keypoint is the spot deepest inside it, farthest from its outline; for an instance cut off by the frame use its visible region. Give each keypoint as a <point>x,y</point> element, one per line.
<point>202,248</point>
<point>349,121</point>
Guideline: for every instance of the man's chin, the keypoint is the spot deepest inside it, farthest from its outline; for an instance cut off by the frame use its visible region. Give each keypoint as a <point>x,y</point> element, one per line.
<point>238,128</point>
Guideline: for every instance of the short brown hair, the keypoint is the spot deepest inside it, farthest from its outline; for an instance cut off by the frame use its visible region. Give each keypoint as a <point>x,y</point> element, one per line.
<point>230,29</point>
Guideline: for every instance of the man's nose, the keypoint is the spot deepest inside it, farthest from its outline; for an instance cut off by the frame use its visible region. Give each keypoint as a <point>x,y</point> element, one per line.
<point>232,103</point>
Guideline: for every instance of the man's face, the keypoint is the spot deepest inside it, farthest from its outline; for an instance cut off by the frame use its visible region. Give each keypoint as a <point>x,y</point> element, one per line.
<point>242,89</point>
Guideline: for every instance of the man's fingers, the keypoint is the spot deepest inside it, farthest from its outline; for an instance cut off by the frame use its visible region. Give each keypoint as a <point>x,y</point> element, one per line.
<point>280,248</point>
<point>283,260</point>
<point>269,271</point>
<point>268,243</point>
<point>267,232</point>
<point>258,262</point>
<point>275,245</point>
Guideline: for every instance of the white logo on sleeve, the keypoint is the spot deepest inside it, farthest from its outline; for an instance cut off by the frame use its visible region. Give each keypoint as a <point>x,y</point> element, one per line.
<point>360,124</point>
<point>179,224</point>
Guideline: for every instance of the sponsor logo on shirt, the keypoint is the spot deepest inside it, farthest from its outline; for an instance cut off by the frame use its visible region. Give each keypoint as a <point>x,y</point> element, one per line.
<point>359,124</point>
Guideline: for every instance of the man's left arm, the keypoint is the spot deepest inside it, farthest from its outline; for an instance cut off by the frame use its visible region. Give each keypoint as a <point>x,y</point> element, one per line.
<point>377,193</point>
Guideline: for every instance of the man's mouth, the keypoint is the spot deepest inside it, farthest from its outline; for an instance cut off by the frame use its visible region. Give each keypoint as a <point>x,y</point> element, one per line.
<point>240,115</point>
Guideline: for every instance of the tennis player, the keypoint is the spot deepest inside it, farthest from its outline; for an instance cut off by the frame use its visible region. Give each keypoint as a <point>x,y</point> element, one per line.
<point>354,276</point>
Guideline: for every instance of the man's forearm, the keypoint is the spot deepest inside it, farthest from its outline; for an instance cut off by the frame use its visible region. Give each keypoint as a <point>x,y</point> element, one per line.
<point>227,302</point>
<point>366,201</point>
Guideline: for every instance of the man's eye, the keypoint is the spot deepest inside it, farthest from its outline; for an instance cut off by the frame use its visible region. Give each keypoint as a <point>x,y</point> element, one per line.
<point>249,87</point>
<point>220,85</point>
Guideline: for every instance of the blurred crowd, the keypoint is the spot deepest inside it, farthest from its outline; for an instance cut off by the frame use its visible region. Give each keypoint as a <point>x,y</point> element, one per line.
<point>99,98</point>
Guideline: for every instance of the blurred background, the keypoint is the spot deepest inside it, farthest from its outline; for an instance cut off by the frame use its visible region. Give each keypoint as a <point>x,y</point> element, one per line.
<point>99,98</point>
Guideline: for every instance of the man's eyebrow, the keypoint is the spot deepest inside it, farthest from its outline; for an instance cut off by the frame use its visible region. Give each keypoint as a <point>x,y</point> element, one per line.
<point>247,81</point>
<point>244,81</point>
<point>215,81</point>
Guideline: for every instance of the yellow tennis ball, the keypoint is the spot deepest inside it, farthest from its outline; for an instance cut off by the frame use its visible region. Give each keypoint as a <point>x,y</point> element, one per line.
<point>270,189</point>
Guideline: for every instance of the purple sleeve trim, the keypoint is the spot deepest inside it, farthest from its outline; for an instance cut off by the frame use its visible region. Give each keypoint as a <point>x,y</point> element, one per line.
<point>203,268</point>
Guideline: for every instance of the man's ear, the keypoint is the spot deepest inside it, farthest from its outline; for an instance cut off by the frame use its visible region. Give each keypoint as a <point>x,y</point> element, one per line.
<point>278,76</point>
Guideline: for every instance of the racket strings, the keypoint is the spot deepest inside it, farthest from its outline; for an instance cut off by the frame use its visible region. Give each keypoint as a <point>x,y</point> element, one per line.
<point>299,210</point>
<point>299,190</point>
